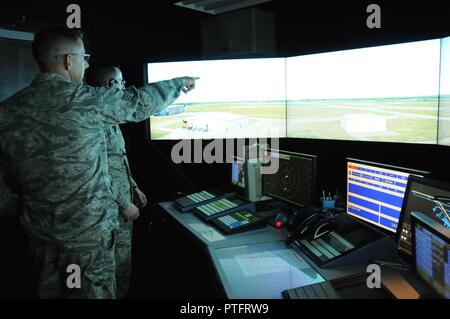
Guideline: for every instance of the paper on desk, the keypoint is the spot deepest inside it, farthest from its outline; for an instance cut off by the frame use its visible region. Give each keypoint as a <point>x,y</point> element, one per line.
<point>209,233</point>
<point>262,263</point>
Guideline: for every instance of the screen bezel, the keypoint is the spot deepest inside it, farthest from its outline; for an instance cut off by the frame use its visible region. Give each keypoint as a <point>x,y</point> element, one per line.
<point>314,159</point>
<point>437,230</point>
<point>410,171</point>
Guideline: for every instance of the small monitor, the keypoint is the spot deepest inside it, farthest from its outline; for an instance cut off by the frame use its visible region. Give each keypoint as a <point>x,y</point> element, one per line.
<point>375,192</point>
<point>238,174</point>
<point>427,196</point>
<point>295,178</point>
<point>246,178</point>
<point>431,253</point>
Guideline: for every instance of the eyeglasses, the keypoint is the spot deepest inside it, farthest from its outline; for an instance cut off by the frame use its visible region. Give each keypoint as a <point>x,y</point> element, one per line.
<point>84,55</point>
<point>114,81</point>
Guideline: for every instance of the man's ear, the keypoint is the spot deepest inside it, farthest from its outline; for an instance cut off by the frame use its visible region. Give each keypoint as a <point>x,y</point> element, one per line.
<point>106,84</point>
<point>68,62</point>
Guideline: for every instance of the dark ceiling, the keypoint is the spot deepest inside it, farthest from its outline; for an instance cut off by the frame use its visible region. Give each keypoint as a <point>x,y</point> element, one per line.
<point>167,30</point>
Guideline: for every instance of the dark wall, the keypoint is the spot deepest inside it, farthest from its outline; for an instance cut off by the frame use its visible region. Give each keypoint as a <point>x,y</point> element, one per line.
<point>321,26</point>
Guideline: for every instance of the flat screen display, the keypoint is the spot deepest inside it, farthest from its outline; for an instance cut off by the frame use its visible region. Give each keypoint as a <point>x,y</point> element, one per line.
<point>386,93</point>
<point>375,192</point>
<point>242,98</point>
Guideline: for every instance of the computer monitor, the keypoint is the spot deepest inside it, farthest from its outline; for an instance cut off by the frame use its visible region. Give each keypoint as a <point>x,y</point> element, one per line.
<point>246,178</point>
<point>431,253</point>
<point>295,179</point>
<point>429,197</point>
<point>375,192</point>
<point>238,174</point>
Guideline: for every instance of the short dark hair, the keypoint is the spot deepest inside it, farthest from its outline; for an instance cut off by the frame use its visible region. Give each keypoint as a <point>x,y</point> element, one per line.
<point>48,38</point>
<point>97,75</point>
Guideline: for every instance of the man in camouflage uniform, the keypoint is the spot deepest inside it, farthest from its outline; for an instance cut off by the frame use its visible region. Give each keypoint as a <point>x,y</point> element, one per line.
<point>125,189</point>
<point>53,157</point>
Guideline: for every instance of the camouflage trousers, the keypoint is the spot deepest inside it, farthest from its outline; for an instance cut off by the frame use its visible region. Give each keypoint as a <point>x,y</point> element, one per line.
<point>95,257</point>
<point>123,257</point>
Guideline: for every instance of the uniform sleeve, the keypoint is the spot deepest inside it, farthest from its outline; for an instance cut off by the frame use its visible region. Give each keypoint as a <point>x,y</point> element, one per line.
<point>8,200</point>
<point>134,105</point>
<point>121,199</point>
<point>132,182</point>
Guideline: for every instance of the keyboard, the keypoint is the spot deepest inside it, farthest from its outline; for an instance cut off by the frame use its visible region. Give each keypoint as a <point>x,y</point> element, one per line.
<point>238,221</point>
<point>221,207</point>
<point>323,290</point>
<point>191,201</point>
<point>216,207</point>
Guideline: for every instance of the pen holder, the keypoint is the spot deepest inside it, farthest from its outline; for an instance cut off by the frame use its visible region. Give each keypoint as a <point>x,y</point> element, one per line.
<point>327,204</point>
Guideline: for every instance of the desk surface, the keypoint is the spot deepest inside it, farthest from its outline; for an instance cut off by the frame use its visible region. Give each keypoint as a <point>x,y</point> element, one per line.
<point>262,271</point>
<point>212,237</point>
<point>257,263</point>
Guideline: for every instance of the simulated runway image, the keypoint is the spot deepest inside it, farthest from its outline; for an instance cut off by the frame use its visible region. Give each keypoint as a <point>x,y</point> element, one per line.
<point>222,120</point>
<point>408,120</point>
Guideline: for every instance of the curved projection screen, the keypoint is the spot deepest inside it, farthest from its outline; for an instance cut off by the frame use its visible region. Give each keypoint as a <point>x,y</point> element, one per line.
<point>390,93</point>
<point>233,99</point>
<point>386,93</point>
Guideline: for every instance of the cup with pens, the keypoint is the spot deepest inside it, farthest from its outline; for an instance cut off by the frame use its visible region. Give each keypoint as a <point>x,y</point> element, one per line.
<point>327,202</point>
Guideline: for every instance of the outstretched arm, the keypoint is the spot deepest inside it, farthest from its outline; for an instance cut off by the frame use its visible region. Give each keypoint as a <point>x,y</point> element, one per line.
<point>135,105</point>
